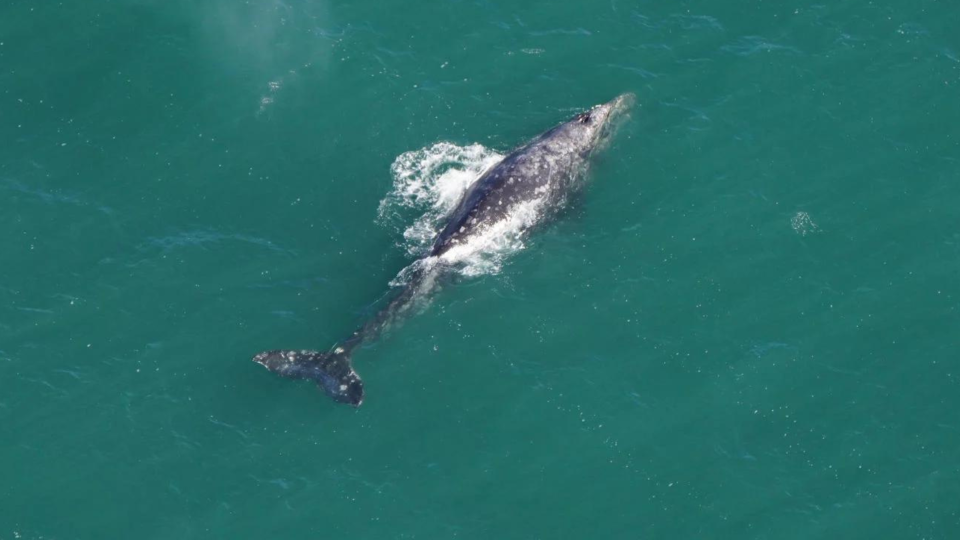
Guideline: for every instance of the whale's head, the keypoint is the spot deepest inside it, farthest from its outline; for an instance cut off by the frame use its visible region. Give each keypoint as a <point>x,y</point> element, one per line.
<point>588,130</point>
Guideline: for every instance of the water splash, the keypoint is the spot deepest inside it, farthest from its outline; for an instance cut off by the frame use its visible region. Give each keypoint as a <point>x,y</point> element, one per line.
<point>486,251</point>
<point>427,185</point>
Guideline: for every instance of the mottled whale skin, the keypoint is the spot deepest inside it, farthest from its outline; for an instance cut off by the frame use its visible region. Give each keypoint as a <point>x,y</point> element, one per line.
<point>545,170</point>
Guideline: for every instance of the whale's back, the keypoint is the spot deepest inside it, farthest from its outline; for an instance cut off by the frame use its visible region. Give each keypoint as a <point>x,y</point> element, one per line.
<point>535,172</point>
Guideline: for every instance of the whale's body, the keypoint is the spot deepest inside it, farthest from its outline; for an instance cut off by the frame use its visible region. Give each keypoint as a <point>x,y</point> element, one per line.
<point>521,190</point>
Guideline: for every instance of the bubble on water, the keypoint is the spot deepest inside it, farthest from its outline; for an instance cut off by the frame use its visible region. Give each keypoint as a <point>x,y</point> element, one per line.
<point>803,225</point>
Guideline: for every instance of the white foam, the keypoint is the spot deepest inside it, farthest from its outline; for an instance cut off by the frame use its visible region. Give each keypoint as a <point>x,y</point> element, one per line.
<point>427,185</point>
<point>485,252</point>
<point>803,224</point>
<point>430,182</point>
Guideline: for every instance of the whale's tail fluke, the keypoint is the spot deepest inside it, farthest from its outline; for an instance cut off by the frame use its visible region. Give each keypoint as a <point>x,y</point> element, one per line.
<point>332,371</point>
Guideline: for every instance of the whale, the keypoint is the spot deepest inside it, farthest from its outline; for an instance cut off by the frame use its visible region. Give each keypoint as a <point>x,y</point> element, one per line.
<point>526,188</point>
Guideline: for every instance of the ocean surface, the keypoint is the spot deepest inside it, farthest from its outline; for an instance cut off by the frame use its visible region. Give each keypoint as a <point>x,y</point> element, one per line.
<point>745,327</point>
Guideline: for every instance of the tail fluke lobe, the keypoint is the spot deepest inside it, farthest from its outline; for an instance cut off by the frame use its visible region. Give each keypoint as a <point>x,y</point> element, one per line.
<point>332,371</point>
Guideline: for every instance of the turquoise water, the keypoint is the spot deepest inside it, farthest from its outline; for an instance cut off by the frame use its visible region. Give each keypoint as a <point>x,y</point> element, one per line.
<point>746,327</point>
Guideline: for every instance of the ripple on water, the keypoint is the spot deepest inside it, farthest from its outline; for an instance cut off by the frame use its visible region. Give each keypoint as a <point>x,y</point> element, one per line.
<point>637,70</point>
<point>202,238</point>
<point>53,196</point>
<point>697,22</point>
<point>562,32</point>
<point>750,45</point>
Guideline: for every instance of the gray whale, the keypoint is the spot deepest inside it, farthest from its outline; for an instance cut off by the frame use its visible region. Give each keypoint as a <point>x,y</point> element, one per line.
<point>544,171</point>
